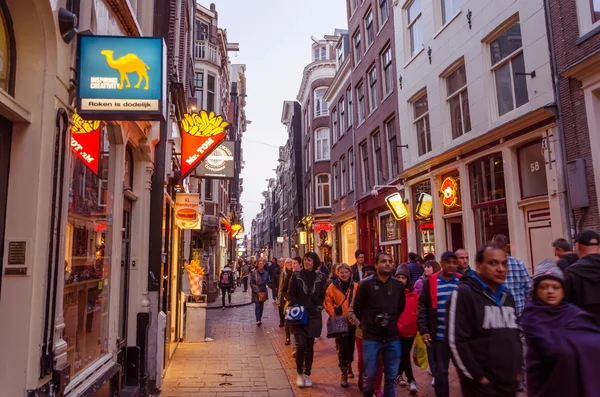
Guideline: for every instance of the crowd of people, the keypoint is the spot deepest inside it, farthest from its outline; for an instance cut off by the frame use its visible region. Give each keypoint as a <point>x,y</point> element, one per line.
<point>504,330</point>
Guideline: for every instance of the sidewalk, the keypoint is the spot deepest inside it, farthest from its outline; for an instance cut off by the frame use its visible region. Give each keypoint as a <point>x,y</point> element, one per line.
<point>240,362</point>
<point>238,298</point>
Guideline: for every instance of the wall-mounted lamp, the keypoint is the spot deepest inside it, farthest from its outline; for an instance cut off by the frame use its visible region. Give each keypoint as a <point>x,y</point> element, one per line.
<point>67,25</point>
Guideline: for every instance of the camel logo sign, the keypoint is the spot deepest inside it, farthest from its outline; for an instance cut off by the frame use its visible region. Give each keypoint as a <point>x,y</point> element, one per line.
<point>121,78</point>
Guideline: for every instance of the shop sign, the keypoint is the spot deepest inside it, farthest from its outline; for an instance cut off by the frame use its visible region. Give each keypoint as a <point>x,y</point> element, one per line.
<point>280,239</point>
<point>220,163</point>
<point>85,141</point>
<point>449,190</point>
<point>425,205</point>
<point>187,210</point>
<point>322,226</point>
<point>202,133</point>
<point>121,77</point>
<point>302,237</point>
<point>395,203</point>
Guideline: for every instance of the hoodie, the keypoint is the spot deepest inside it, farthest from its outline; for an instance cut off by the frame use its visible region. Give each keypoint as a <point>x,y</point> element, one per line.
<point>567,261</point>
<point>483,336</point>
<point>583,284</point>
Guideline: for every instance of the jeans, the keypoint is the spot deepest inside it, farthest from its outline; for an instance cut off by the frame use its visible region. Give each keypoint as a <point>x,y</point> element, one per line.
<point>405,364</point>
<point>345,347</point>
<point>245,283</point>
<point>305,348</point>
<point>224,291</point>
<point>258,310</point>
<point>441,352</point>
<point>281,314</point>
<point>391,360</point>
<point>361,368</point>
<point>431,359</point>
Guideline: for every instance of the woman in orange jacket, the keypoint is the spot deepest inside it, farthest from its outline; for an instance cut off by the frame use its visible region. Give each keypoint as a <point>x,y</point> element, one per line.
<point>338,298</point>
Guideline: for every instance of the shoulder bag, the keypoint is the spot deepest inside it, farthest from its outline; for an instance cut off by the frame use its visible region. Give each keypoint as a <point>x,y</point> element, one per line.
<point>337,326</point>
<point>261,296</point>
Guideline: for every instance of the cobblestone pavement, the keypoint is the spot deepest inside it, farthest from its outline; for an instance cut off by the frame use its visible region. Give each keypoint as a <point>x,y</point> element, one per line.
<point>239,297</point>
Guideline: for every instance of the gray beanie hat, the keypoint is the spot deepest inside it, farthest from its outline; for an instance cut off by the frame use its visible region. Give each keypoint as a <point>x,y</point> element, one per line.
<point>547,269</point>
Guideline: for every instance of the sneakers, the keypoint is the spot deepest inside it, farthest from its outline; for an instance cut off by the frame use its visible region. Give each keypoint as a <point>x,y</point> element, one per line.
<point>259,323</point>
<point>400,381</point>
<point>300,380</point>
<point>413,387</point>
<point>307,381</point>
<point>288,342</point>
<point>433,382</point>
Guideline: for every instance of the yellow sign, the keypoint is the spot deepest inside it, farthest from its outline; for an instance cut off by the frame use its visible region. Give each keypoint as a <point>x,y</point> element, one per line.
<point>395,203</point>
<point>236,227</point>
<point>129,63</point>
<point>424,206</point>
<point>302,237</point>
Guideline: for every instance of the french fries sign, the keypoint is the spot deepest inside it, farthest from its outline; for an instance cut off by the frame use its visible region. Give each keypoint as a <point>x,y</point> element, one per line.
<point>85,141</point>
<point>203,132</point>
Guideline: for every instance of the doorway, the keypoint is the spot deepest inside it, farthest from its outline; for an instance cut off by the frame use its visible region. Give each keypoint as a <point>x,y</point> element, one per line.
<point>539,233</point>
<point>124,289</point>
<point>5,139</point>
<point>454,233</point>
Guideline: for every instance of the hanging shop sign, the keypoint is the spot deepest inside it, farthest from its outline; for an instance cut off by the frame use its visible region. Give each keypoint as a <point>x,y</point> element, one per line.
<point>202,133</point>
<point>424,205</point>
<point>121,77</point>
<point>395,203</point>
<point>85,141</point>
<point>280,239</point>
<point>187,210</point>
<point>318,227</point>
<point>302,237</point>
<point>449,190</point>
<point>220,163</point>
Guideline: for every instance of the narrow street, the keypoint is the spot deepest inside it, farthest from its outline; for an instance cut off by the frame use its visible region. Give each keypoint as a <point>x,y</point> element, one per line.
<point>257,360</point>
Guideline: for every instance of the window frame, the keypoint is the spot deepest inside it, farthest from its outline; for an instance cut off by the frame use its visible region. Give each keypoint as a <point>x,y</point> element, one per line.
<point>458,93</point>
<point>334,171</point>
<point>320,191</point>
<point>383,5</point>
<point>334,126</point>
<point>413,52</point>
<point>320,102</point>
<point>372,82</point>
<point>360,94</point>
<point>351,171</point>
<point>357,47</point>
<point>387,71</point>
<point>210,93</point>
<point>369,24</point>
<point>343,176</point>
<point>324,142</point>
<point>342,115</point>
<point>378,171</point>
<point>364,166</point>
<point>392,147</point>
<point>426,123</point>
<point>350,107</point>
<point>449,18</point>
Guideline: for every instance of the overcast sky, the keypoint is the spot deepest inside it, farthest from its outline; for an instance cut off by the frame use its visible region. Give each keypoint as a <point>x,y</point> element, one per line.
<point>275,45</point>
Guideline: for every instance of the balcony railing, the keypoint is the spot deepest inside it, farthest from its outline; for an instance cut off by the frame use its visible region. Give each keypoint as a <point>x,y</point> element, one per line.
<point>207,51</point>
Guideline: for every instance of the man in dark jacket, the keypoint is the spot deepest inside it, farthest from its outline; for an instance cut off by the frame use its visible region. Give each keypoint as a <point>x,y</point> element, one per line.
<point>482,333</point>
<point>431,319</point>
<point>357,273</point>
<point>379,303</point>
<point>275,277</point>
<point>564,253</point>
<point>416,269</point>
<point>583,277</point>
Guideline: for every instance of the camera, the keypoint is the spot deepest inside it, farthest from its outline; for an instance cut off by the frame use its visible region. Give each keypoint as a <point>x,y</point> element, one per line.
<point>338,310</point>
<point>383,320</point>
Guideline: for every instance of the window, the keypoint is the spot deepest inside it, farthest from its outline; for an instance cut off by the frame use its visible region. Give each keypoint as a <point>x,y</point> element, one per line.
<point>421,111</point>
<point>342,106</point>
<point>320,103</point>
<point>595,8</point>
<point>390,131</point>
<point>415,30</point>
<point>354,5</point>
<point>532,170</point>
<point>369,29</point>
<point>208,189</point>
<point>334,124</point>
<point>378,163</point>
<point>351,175</point>
<point>323,199</point>
<point>350,107</point>
<point>306,157</point>
<point>384,12</point>
<point>210,96</point>
<point>360,93</point>
<point>357,47</point>
<point>458,101</point>
<point>320,53</point>
<point>388,75</point>
<point>340,52</point>
<point>199,80</point>
<point>508,67</point>
<point>335,181</point>
<point>372,89</point>
<point>449,9</point>
<point>343,175</point>
<point>322,144</point>
<point>364,169</point>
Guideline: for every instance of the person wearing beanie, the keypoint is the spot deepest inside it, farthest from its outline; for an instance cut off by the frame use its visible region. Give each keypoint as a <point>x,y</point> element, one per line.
<point>407,326</point>
<point>563,341</point>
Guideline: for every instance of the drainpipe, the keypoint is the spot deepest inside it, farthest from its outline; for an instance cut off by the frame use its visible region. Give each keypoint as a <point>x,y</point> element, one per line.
<point>561,154</point>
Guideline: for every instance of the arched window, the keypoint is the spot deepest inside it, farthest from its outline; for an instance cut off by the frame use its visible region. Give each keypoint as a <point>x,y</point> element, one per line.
<point>322,144</point>
<point>7,47</point>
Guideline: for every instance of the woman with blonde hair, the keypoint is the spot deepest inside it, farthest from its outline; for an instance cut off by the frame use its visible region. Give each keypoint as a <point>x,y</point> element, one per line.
<point>281,297</point>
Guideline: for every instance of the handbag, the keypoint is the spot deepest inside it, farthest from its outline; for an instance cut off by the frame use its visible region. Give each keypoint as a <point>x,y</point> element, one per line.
<point>337,326</point>
<point>296,315</point>
<point>260,295</point>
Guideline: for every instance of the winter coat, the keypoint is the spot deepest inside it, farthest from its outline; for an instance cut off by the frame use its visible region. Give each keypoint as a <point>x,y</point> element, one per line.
<point>275,276</point>
<point>419,284</point>
<point>484,338</point>
<point>428,298</point>
<point>335,296</point>
<point>567,261</point>
<point>284,281</point>
<point>374,298</point>
<point>583,284</point>
<point>407,322</point>
<point>355,274</point>
<point>563,350</point>
<point>416,271</point>
<point>307,288</point>
<point>258,283</point>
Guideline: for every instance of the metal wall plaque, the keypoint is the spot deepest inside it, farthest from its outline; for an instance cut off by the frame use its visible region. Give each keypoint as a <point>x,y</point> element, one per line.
<point>16,253</point>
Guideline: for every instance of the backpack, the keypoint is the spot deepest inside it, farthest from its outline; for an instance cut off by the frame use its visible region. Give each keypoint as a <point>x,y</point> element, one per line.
<point>225,279</point>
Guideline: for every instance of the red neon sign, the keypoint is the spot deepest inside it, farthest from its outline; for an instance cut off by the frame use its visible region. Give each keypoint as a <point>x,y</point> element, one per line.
<point>85,141</point>
<point>322,226</point>
<point>202,133</point>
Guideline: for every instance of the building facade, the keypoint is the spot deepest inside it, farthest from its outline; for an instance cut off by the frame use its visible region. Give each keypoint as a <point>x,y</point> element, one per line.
<point>475,106</point>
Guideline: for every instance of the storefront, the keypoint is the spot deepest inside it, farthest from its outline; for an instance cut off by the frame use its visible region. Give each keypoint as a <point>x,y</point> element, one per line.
<point>423,215</point>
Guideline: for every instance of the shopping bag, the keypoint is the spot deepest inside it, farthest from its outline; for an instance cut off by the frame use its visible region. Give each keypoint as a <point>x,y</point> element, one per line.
<point>296,315</point>
<point>420,352</point>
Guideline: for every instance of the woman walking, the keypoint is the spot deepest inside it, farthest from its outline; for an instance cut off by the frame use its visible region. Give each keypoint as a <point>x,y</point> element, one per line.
<point>563,341</point>
<point>338,298</point>
<point>282,298</point>
<point>307,289</point>
<point>259,279</point>
<point>407,325</point>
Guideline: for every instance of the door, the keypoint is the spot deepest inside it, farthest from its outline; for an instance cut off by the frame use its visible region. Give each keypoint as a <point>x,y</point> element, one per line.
<point>5,134</point>
<point>124,288</point>
<point>454,233</point>
<point>539,234</point>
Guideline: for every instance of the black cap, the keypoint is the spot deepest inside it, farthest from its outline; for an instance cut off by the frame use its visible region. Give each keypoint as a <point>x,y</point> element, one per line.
<point>448,254</point>
<point>587,237</point>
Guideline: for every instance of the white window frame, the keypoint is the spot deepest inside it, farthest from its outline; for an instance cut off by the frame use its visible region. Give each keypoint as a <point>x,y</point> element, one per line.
<point>320,102</point>
<point>320,191</point>
<point>585,18</point>
<point>343,176</point>
<point>454,6</point>
<point>360,95</point>
<point>351,171</point>
<point>416,23</point>
<point>357,47</point>
<point>372,81</point>
<point>335,181</point>
<point>364,167</point>
<point>350,107</point>
<point>426,124</point>
<point>369,23</point>
<point>392,149</point>
<point>458,93</point>
<point>377,159</point>
<point>320,53</point>
<point>383,5</point>
<point>388,71</point>
<point>342,115</point>
<point>334,126</point>
<point>322,148</point>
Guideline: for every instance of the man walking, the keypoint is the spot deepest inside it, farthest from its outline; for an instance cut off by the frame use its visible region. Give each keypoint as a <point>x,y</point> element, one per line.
<point>226,283</point>
<point>275,277</point>
<point>416,269</point>
<point>583,277</point>
<point>482,333</point>
<point>564,253</point>
<point>431,320</point>
<point>378,304</point>
<point>462,257</point>
<point>357,272</point>
<point>244,273</point>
